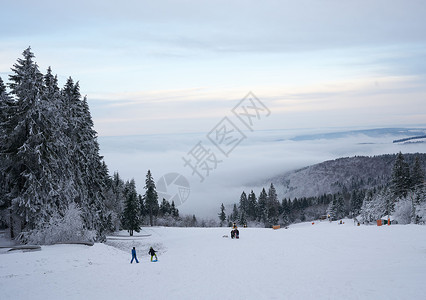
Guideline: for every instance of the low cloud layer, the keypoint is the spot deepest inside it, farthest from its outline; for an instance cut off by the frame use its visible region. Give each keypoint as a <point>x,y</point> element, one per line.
<point>262,155</point>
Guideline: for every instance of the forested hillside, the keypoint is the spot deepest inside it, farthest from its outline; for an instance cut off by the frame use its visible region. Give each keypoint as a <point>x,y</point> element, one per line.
<point>367,188</point>
<point>350,173</point>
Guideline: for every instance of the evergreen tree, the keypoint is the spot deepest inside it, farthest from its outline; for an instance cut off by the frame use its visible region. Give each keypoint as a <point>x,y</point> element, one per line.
<point>419,206</point>
<point>243,205</point>
<point>376,204</point>
<point>174,210</point>
<point>336,209</point>
<point>235,213</point>
<point>95,172</point>
<point>115,201</point>
<point>285,208</point>
<point>151,197</point>
<point>114,207</point>
<point>356,201</point>
<point>165,207</point>
<point>222,215</point>
<point>400,182</point>
<point>89,171</point>
<point>2,87</point>
<point>32,158</point>
<point>194,222</point>
<point>272,206</point>
<point>49,152</point>
<point>55,145</point>
<point>6,110</point>
<point>417,175</point>
<point>242,218</point>
<point>7,106</point>
<point>131,216</point>
<point>142,207</point>
<point>262,208</point>
<point>252,206</point>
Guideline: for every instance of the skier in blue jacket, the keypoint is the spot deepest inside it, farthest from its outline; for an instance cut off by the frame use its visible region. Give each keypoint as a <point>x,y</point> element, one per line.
<point>134,256</point>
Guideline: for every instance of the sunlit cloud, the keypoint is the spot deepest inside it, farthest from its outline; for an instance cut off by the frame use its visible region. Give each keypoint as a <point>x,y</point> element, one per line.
<point>385,99</point>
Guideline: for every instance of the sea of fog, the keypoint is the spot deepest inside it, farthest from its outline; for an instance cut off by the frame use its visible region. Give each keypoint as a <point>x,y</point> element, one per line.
<point>204,169</point>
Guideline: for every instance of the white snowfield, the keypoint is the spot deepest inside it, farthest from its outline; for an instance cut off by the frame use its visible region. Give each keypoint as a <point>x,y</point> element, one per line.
<point>320,261</point>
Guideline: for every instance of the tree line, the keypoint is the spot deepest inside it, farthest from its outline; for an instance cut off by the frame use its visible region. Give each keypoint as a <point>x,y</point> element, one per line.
<point>403,195</point>
<point>49,154</point>
<point>51,169</point>
<point>144,209</point>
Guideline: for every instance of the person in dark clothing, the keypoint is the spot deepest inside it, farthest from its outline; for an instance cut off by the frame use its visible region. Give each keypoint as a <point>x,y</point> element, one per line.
<point>152,253</point>
<point>235,233</point>
<point>134,256</point>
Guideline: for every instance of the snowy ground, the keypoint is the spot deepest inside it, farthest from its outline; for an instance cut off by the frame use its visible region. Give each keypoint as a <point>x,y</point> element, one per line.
<point>321,261</point>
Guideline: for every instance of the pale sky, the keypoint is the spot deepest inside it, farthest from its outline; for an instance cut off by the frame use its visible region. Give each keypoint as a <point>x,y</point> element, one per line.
<point>163,69</point>
<point>180,66</point>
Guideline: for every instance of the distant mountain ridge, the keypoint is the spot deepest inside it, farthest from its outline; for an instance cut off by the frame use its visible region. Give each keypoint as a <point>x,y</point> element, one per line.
<point>359,172</point>
<point>418,139</point>
<point>375,132</point>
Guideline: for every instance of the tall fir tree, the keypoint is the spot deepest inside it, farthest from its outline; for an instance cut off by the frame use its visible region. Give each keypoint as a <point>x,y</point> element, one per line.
<point>417,175</point>
<point>7,107</point>
<point>400,182</point>
<point>142,207</point>
<point>6,110</point>
<point>54,145</point>
<point>336,208</point>
<point>131,216</point>
<point>151,197</point>
<point>222,215</point>
<point>243,205</point>
<point>356,201</point>
<point>90,171</point>
<point>114,201</point>
<point>94,172</point>
<point>28,171</point>
<point>234,214</point>
<point>262,212</point>
<point>252,206</point>
<point>285,208</point>
<point>272,206</point>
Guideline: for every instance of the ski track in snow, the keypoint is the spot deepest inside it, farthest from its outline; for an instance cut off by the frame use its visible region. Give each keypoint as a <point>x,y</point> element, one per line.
<point>321,261</point>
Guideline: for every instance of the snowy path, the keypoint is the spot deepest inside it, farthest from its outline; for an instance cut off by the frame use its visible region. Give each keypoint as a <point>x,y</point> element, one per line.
<point>321,261</point>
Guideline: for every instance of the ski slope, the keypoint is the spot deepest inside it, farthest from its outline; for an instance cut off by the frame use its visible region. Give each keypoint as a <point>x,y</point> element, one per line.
<point>320,261</point>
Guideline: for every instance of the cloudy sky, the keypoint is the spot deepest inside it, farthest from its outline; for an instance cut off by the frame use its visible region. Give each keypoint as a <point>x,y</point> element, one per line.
<point>177,67</point>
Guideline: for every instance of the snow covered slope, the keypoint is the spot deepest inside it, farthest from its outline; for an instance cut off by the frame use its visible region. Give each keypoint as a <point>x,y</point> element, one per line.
<point>320,261</point>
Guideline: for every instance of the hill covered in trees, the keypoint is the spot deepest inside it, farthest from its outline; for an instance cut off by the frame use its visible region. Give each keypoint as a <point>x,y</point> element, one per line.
<point>366,188</point>
<point>349,173</point>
